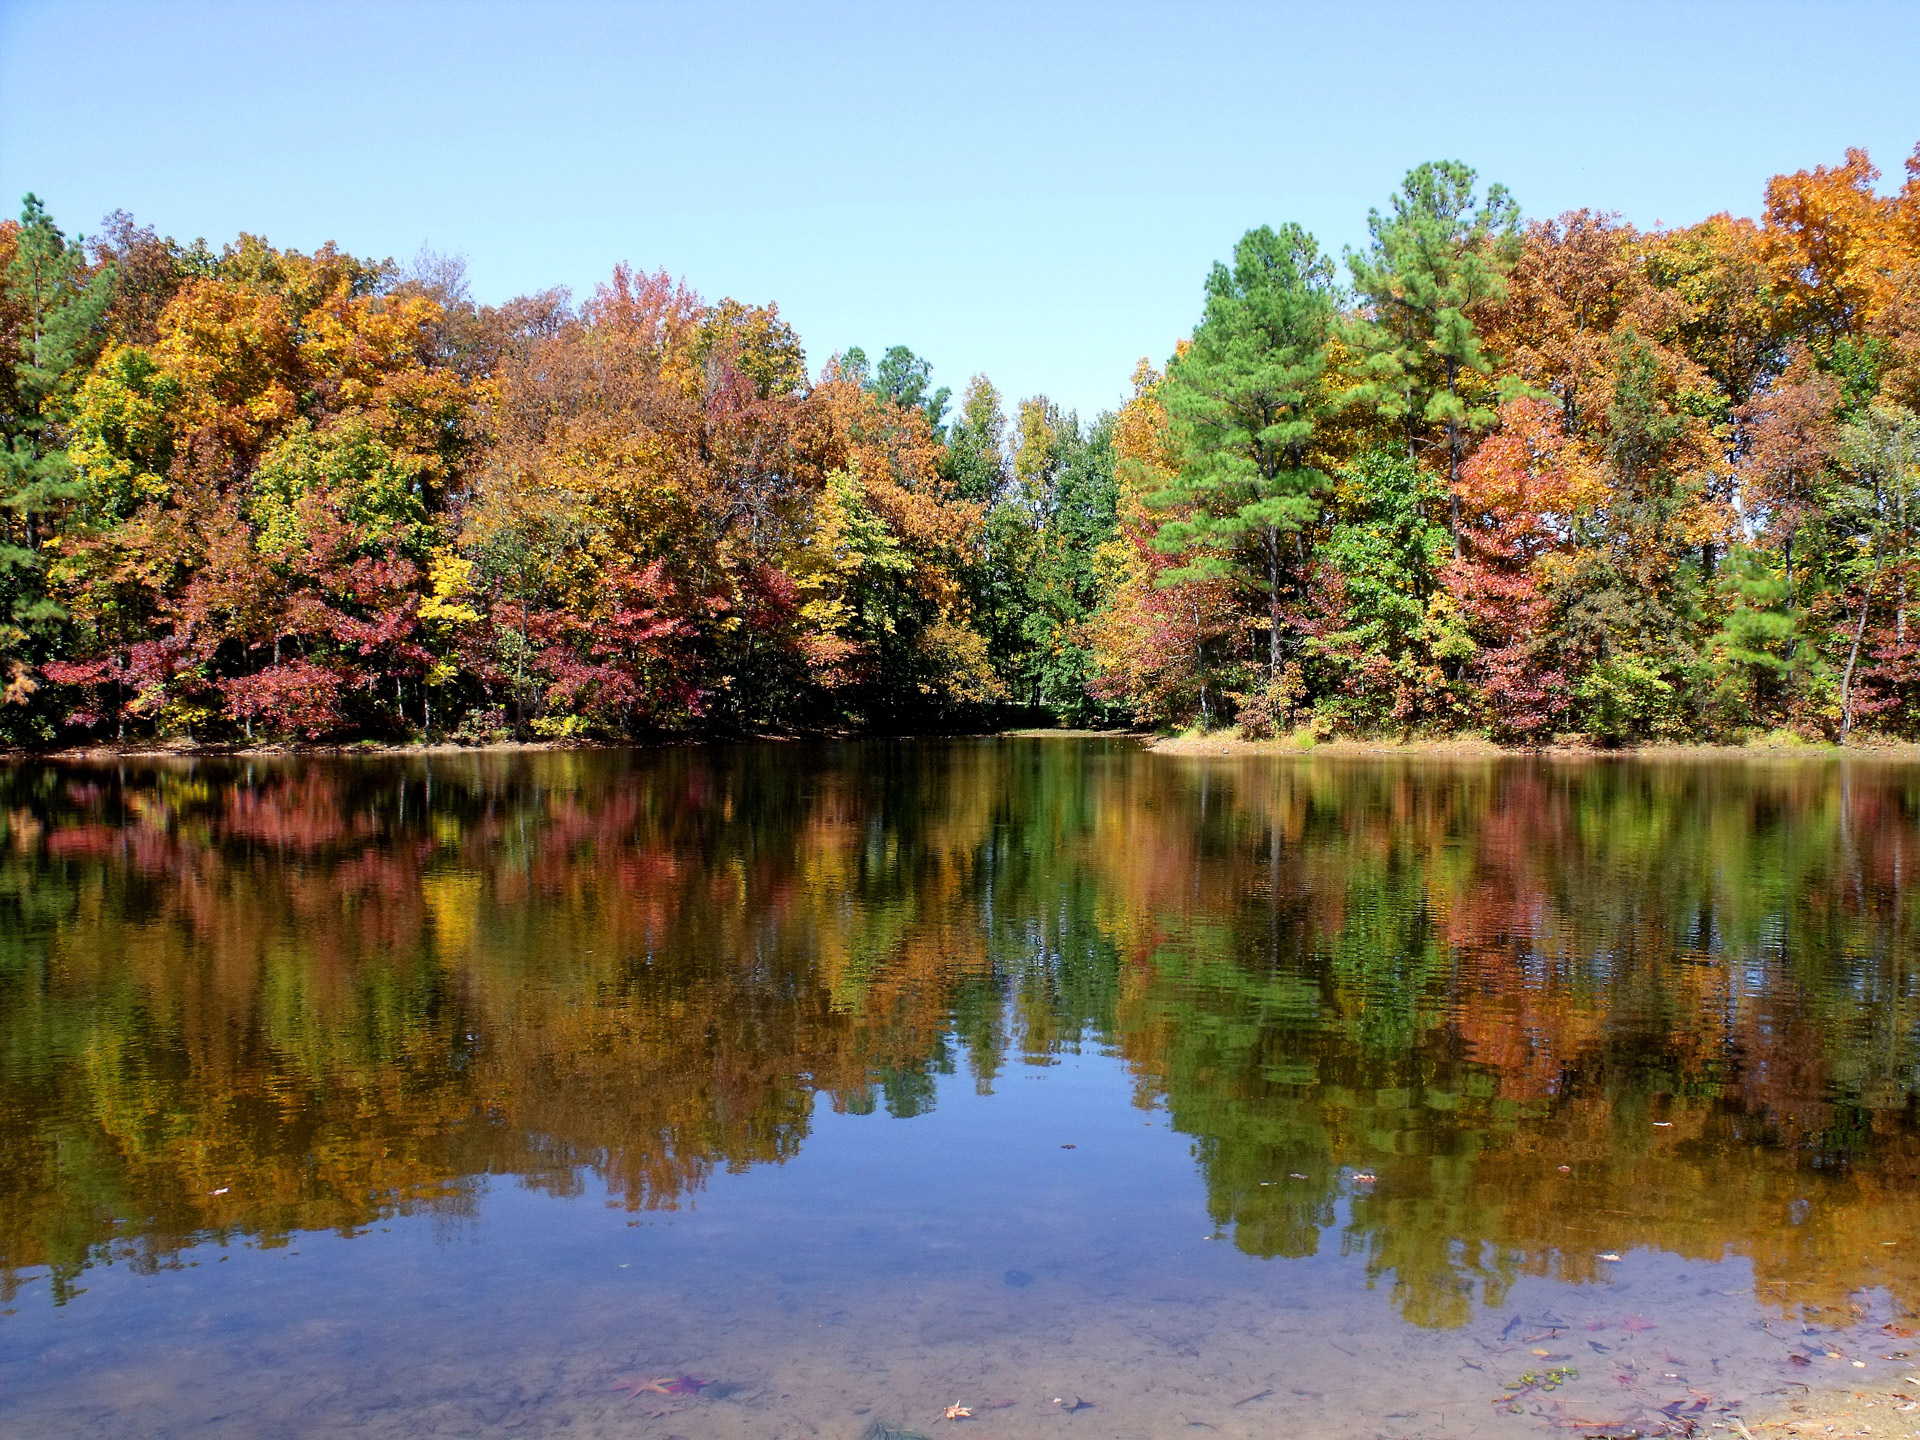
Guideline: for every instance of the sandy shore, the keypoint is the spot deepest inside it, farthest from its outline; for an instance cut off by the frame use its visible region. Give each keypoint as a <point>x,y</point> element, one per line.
<point>1839,1414</point>
<point>1227,743</point>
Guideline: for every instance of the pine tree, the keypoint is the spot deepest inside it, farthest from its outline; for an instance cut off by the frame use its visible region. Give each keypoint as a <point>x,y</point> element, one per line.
<point>1751,656</point>
<point>59,304</point>
<point>1434,264</point>
<point>1246,399</point>
<point>902,378</point>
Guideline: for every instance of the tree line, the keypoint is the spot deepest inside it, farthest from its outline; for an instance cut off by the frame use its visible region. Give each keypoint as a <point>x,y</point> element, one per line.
<point>1533,479</point>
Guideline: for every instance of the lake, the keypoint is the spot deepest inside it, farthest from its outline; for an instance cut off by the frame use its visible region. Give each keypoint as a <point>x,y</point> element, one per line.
<point>797,1090</point>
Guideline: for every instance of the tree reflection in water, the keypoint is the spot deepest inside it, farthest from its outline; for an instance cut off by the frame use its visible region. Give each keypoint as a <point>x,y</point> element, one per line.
<point>1539,1002</point>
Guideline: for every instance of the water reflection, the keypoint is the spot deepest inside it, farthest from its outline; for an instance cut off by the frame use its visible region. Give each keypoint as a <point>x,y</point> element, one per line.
<point>1469,1022</point>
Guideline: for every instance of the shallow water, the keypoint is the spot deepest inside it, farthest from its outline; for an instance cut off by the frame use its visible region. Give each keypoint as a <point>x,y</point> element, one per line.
<point>1106,1094</point>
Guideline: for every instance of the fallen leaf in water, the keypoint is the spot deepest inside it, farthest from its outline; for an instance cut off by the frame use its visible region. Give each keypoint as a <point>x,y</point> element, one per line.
<point>1798,1360</point>
<point>663,1385</point>
<point>959,1412</point>
<point>1538,1352</point>
<point>1636,1322</point>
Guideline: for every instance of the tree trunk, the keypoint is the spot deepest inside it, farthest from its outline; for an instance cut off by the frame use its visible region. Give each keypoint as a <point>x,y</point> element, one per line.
<point>1453,485</point>
<point>1906,550</point>
<point>1273,605</point>
<point>520,677</point>
<point>1453,460</point>
<point>1853,656</point>
<point>1200,664</point>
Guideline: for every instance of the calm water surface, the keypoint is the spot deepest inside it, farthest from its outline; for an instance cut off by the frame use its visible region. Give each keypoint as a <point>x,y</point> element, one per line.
<point>1107,1094</point>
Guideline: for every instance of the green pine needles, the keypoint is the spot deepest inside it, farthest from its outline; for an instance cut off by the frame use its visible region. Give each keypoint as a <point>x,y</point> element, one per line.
<point>1246,398</point>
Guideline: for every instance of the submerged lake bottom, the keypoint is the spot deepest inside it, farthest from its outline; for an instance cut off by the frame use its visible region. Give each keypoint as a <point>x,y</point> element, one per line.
<point>784,1091</point>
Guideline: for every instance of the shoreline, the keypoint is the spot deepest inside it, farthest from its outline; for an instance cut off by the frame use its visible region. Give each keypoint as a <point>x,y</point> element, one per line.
<point>1227,745</point>
<point>1835,1414</point>
<point>1223,744</point>
<point>387,750</point>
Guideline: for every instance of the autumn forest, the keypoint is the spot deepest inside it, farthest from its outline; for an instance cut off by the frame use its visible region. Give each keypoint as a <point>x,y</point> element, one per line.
<point>1535,479</point>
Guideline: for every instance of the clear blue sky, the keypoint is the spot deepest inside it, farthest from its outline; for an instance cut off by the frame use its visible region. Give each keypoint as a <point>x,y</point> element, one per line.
<point>1033,190</point>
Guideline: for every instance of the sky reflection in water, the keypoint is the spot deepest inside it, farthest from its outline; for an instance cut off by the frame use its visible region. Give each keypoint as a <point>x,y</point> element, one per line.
<point>446,1096</point>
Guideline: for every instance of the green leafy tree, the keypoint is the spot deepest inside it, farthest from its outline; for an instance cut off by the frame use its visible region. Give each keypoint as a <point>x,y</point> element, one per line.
<point>1631,601</point>
<point>1049,498</point>
<point>976,465</point>
<point>1394,632</point>
<point>976,459</point>
<point>1065,483</point>
<point>1880,452</point>
<point>1246,399</point>
<point>1435,262</point>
